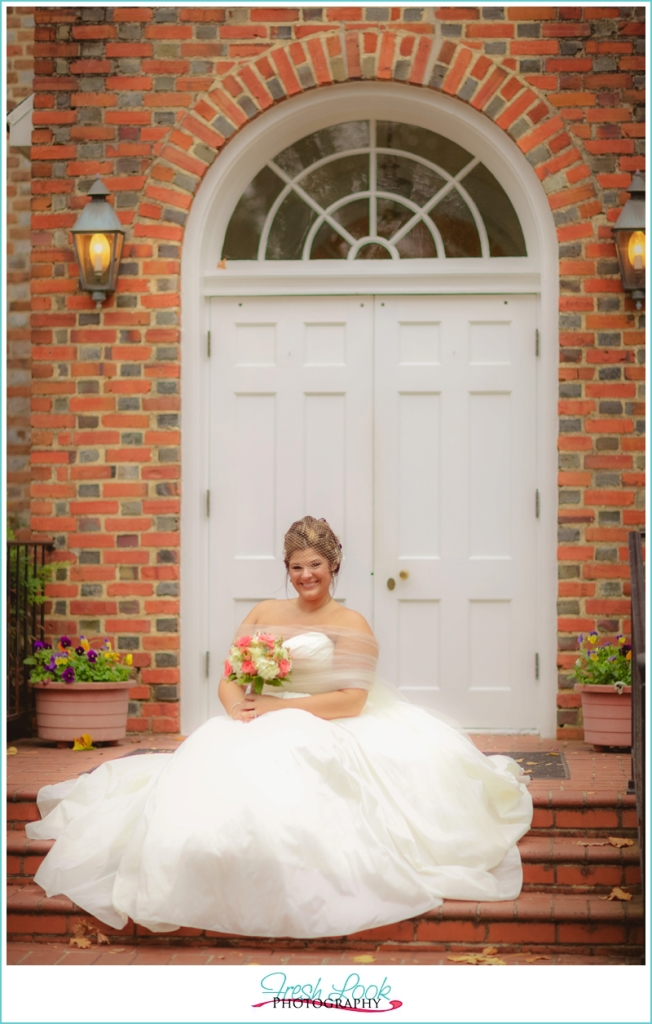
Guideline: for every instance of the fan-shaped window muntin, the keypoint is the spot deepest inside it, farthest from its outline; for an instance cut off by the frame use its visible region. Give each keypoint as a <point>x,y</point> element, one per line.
<point>303,206</point>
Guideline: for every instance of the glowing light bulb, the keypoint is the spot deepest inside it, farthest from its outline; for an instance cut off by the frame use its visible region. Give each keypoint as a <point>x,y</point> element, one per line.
<point>100,253</point>
<point>636,250</point>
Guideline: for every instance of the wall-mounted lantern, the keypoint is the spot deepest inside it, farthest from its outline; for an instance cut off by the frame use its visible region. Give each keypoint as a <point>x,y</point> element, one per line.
<point>629,232</point>
<point>98,237</point>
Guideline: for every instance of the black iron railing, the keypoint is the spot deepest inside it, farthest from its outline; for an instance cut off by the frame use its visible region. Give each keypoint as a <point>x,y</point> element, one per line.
<point>26,576</point>
<point>637,783</point>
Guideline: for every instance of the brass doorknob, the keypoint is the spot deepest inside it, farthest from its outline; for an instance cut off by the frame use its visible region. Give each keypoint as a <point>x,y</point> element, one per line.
<point>404,574</point>
<point>391,583</point>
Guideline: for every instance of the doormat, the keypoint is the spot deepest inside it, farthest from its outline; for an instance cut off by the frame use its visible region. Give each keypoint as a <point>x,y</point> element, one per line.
<point>539,764</point>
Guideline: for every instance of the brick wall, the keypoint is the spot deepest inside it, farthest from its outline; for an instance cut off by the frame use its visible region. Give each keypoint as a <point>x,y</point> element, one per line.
<point>20,74</point>
<point>148,97</point>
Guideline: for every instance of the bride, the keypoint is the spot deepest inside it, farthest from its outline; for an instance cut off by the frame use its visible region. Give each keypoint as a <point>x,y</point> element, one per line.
<point>326,808</point>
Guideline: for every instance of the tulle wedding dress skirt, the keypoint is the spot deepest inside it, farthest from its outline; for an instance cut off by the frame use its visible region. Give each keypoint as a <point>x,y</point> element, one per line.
<point>290,825</point>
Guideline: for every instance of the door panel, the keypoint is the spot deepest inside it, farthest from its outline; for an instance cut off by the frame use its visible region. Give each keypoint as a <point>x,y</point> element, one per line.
<point>455,477</point>
<point>291,434</point>
<point>441,487</point>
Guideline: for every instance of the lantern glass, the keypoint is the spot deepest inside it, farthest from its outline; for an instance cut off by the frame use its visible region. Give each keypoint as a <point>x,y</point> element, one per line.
<point>636,250</point>
<point>98,254</point>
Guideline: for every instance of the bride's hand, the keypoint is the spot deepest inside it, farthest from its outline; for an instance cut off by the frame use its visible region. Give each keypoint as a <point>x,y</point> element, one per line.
<point>256,704</point>
<point>241,713</point>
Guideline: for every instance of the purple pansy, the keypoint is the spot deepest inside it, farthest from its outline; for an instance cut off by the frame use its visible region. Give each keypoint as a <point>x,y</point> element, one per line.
<point>92,656</point>
<point>39,645</point>
<point>65,641</point>
<point>79,650</point>
<point>68,674</point>
<point>51,665</point>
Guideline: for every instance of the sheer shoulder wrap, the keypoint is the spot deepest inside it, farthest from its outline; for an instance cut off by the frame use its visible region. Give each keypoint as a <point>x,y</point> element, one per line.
<point>330,658</point>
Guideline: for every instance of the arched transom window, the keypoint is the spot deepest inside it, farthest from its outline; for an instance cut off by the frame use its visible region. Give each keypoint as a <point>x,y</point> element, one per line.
<point>373,190</point>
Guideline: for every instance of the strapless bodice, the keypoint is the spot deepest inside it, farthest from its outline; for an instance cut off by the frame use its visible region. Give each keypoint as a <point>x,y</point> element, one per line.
<point>312,665</point>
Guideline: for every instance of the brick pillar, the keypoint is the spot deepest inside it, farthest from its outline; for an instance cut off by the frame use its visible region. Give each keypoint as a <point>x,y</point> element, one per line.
<point>20,75</point>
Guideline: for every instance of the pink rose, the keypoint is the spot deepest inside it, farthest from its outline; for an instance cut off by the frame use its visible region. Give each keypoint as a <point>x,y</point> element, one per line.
<point>228,668</point>
<point>248,668</point>
<point>267,638</point>
<point>283,667</point>
<point>243,641</point>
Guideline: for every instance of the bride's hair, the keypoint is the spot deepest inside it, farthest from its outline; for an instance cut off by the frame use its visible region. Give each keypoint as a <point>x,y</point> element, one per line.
<point>313,533</point>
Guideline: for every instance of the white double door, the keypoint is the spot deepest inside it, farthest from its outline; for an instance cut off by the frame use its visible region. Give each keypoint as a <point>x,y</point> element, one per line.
<point>409,423</point>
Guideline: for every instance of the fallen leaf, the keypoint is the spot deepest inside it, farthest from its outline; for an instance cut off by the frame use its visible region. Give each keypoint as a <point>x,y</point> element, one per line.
<point>118,949</point>
<point>531,959</point>
<point>476,958</point>
<point>590,842</point>
<point>81,928</point>
<point>11,750</point>
<point>490,950</point>
<point>364,959</point>
<point>80,941</point>
<point>102,939</point>
<point>554,753</point>
<point>617,894</point>
<point>619,841</point>
<point>222,265</point>
<point>84,742</point>
<point>531,762</point>
<point>519,760</point>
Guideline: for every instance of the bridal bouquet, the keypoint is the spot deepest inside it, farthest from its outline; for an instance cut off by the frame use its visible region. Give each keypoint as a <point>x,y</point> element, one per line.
<point>258,659</point>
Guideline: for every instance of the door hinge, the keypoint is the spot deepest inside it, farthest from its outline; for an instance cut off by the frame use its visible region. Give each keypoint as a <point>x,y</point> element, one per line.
<point>208,344</point>
<point>537,503</point>
<point>536,665</point>
<point>208,664</point>
<point>208,503</point>
<point>536,342</point>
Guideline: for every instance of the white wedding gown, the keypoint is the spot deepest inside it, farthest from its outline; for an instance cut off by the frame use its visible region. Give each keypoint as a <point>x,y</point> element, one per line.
<point>290,825</point>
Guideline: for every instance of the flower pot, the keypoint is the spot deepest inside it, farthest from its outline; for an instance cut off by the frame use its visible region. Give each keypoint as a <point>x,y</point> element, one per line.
<point>65,711</point>
<point>607,715</point>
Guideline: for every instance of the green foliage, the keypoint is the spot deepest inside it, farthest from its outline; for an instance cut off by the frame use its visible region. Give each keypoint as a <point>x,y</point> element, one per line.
<point>35,580</point>
<point>606,665</point>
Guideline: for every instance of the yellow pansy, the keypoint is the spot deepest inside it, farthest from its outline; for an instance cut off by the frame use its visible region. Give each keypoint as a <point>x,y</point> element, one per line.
<point>129,659</point>
<point>85,644</point>
<point>593,656</point>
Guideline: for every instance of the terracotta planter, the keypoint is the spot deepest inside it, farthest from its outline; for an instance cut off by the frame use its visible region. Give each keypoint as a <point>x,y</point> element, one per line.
<point>67,710</point>
<point>607,715</point>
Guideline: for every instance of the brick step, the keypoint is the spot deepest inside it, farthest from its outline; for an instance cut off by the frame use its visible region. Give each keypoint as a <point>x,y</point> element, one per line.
<point>549,863</point>
<point>535,922</point>
<point>574,812</point>
<point>562,864</point>
<point>560,810</point>
<point>30,954</point>
<point>24,856</point>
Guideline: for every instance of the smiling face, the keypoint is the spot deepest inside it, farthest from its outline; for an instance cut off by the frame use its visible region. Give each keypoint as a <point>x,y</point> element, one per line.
<point>310,575</point>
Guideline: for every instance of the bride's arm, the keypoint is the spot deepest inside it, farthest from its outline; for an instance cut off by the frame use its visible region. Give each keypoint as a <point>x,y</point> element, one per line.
<point>232,696</point>
<point>336,704</point>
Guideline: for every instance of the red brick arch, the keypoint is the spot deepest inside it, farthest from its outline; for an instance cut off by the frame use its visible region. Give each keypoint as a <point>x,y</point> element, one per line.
<point>461,70</point>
